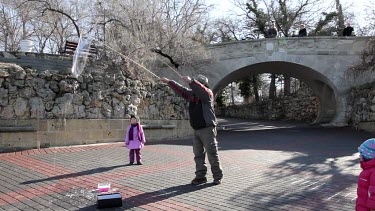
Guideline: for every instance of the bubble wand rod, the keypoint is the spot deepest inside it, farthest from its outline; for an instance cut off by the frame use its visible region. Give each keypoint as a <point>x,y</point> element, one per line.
<point>128,58</point>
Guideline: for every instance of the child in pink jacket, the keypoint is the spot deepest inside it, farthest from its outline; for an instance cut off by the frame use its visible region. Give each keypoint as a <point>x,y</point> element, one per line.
<point>135,140</point>
<point>366,181</point>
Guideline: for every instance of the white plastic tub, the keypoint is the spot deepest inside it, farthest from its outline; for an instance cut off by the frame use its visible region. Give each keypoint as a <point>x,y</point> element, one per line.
<point>26,45</point>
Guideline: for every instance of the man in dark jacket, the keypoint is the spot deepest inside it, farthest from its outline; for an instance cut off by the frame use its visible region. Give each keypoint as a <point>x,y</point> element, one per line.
<point>302,31</point>
<point>203,121</point>
<point>272,32</point>
<point>348,30</point>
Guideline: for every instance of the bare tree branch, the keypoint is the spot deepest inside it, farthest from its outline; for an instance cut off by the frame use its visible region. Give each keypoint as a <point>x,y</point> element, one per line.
<point>47,7</point>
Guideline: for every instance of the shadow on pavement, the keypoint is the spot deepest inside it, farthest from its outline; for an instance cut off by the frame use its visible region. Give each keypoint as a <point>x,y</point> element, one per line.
<point>156,196</point>
<point>82,173</point>
<point>310,192</point>
<point>322,159</point>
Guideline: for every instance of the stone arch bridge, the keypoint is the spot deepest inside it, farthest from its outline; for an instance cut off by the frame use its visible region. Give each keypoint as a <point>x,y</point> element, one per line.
<point>320,62</point>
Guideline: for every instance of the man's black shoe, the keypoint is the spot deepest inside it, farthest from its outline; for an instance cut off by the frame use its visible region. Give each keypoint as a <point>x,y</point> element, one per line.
<point>198,181</point>
<point>217,182</point>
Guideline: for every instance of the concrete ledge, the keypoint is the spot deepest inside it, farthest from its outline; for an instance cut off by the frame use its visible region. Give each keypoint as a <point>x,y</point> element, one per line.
<point>367,126</point>
<point>17,129</point>
<point>159,126</point>
<point>29,134</point>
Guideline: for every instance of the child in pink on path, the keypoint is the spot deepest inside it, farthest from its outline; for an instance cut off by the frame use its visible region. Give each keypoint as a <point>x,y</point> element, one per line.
<point>135,140</point>
<point>366,182</point>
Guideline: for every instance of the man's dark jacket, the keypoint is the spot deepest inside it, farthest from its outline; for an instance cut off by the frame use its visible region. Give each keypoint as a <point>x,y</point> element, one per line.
<point>201,103</point>
<point>348,31</point>
<point>302,33</point>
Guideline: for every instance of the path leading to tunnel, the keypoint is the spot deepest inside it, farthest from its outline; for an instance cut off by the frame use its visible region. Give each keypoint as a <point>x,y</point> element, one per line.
<point>267,166</point>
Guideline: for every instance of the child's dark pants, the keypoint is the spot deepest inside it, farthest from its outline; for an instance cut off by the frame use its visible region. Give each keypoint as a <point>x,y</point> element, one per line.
<point>137,153</point>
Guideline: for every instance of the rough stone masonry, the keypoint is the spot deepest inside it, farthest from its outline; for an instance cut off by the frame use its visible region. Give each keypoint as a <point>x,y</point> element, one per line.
<point>45,108</point>
<point>27,94</point>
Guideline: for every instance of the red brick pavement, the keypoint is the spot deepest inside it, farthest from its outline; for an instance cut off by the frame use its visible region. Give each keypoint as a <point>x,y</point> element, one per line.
<point>286,170</point>
<point>22,159</point>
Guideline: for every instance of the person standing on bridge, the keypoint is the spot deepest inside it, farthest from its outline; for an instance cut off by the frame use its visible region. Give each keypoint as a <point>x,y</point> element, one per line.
<point>203,121</point>
<point>272,32</point>
<point>348,30</point>
<point>302,31</point>
<point>366,181</point>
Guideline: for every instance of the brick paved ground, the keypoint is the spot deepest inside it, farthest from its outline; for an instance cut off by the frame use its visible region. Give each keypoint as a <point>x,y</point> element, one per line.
<point>282,168</point>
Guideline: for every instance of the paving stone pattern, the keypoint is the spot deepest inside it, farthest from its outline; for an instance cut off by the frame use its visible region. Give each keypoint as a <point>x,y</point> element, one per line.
<point>293,168</point>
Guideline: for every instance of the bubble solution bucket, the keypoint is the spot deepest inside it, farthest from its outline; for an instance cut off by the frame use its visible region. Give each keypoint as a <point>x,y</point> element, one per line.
<point>26,45</point>
<point>104,187</point>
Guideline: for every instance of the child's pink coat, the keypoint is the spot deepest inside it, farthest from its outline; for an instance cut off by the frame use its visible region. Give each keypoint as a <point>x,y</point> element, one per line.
<point>136,143</point>
<point>366,187</point>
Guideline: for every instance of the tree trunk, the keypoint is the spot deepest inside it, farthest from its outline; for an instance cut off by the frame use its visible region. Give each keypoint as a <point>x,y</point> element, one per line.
<point>247,99</point>
<point>232,92</point>
<point>286,85</point>
<point>255,86</point>
<point>5,41</point>
<point>272,86</point>
<point>340,23</point>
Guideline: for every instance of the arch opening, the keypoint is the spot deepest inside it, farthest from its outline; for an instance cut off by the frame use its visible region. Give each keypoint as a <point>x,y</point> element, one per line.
<point>321,86</point>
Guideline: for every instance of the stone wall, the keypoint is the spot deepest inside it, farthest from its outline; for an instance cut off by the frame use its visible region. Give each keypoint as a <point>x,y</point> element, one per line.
<point>361,102</point>
<point>302,107</point>
<point>58,110</point>
<point>27,94</point>
<point>361,110</point>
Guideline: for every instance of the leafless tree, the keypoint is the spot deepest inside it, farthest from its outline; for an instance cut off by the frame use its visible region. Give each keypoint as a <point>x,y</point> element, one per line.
<point>14,24</point>
<point>138,26</point>
<point>369,28</point>
<point>54,6</point>
<point>340,16</point>
<point>287,14</point>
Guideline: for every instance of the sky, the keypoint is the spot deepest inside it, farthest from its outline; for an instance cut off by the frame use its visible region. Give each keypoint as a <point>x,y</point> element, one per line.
<point>358,7</point>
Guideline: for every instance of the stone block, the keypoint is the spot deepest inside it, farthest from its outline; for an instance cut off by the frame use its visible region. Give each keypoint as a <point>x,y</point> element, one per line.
<point>100,124</point>
<point>29,140</point>
<point>60,138</point>
<point>56,125</point>
<point>74,124</point>
<point>358,46</point>
<point>4,74</point>
<point>121,135</point>
<point>92,124</point>
<point>323,52</point>
<point>367,126</point>
<point>47,138</point>
<point>90,142</point>
<point>76,137</point>
<point>110,134</point>
<point>42,125</point>
<point>25,122</point>
<point>11,137</point>
<point>116,124</point>
<point>7,123</point>
<point>95,134</point>
<point>20,140</point>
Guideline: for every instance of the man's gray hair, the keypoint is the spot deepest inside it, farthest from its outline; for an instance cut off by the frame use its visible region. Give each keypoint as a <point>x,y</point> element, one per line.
<point>202,79</point>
